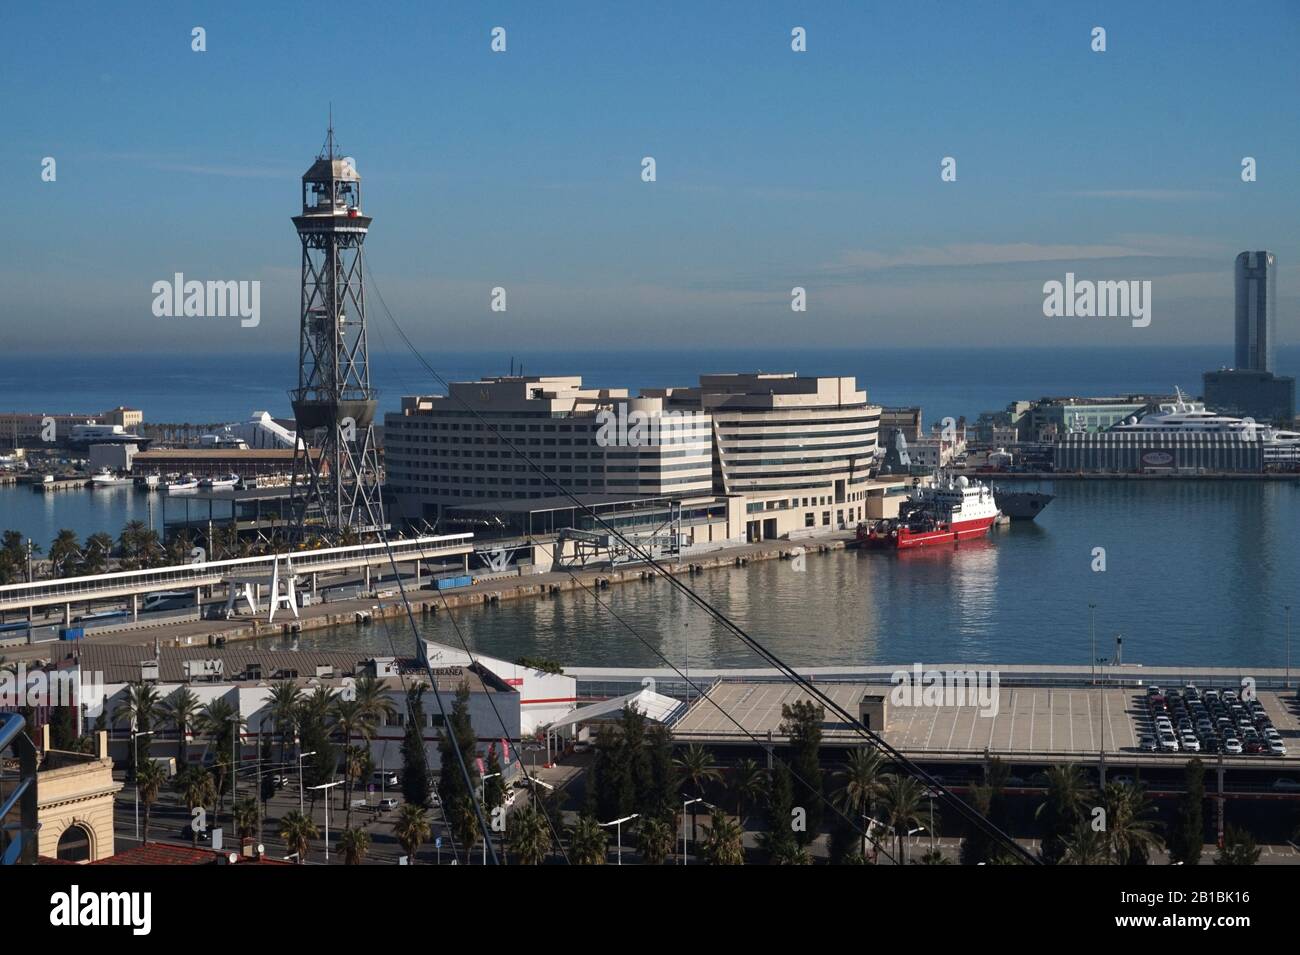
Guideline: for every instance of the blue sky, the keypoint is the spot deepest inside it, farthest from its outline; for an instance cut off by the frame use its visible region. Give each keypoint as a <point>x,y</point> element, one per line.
<point>775,168</point>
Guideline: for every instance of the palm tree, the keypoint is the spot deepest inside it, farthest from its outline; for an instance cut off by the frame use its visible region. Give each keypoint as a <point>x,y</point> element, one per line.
<point>351,719</point>
<point>748,784</point>
<point>1085,846</point>
<point>785,851</point>
<point>587,841</point>
<point>861,784</point>
<point>141,711</point>
<point>196,788</point>
<point>932,857</point>
<point>182,708</point>
<point>900,800</point>
<point>695,766</point>
<point>149,779</point>
<point>530,836</point>
<point>375,702</point>
<point>655,839</point>
<point>65,553</point>
<point>282,703</point>
<point>412,828</point>
<point>297,831</point>
<point>724,844</point>
<point>98,549</point>
<point>1131,832</point>
<point>221,723</point>
<point>1067,800</point>
<point>245,816</point>
<point>354,844</point>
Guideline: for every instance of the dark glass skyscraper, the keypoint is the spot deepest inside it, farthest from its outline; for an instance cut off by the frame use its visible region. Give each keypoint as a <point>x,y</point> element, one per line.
<point>1256,279</point>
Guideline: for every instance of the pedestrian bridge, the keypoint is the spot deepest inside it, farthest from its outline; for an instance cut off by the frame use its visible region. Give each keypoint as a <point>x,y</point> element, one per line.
<point>132,583</point>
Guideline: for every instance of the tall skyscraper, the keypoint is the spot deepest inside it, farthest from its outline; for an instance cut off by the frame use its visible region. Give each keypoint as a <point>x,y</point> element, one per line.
<point>1256,280</point>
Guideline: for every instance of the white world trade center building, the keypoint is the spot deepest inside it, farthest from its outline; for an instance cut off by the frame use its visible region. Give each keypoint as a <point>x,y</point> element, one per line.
<point>756,456</point>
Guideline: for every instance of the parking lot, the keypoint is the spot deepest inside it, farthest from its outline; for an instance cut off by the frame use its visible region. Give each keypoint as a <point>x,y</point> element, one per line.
<point>1048,722</point>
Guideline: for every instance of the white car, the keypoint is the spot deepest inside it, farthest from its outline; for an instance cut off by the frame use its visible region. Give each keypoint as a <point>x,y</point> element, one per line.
<point>1232,746</point>
<point>1168,743</point>
<point>1275,748</point>
<point>1190,743</point>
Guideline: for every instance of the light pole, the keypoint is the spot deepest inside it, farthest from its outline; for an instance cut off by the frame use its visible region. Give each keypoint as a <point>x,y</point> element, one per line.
<point>619,824</point>
<point>482,793</point>
<point>327,786</point>
<point>301,806</point>
<point>135,746</point>
<point>1092,629</point>
<point>1287,683</point>
<point>687,804</point>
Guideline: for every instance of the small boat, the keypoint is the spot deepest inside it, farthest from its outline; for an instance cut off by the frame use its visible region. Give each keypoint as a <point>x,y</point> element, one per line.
<point>220,483</point>
<point>106,477</point>
<point>186,483</point>
<point>148,482</point>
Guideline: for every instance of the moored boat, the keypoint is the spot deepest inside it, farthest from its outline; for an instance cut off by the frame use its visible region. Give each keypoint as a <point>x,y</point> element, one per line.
<point>948,511</point>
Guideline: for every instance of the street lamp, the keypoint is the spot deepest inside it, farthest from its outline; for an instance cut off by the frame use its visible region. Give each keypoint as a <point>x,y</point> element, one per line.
<point>482,793</point>
<point>301,807</point>
<point>688,803</point>
<point>337,782</point>
<point>1287,683</point>
<point>135,747</point>
<point>1092,629</point>
<point>619,824</point>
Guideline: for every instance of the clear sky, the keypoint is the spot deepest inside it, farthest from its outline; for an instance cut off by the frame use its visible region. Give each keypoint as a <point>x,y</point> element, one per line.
<point>774,168</point>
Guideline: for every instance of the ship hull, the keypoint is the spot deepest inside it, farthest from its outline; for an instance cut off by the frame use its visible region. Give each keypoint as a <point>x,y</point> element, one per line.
<point>905,539</point>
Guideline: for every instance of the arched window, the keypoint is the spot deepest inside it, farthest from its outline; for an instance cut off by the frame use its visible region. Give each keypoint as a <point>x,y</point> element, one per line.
<point>74,844</point>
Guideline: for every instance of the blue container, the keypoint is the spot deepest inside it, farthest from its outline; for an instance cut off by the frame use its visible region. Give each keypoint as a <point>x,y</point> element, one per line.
<point>72,633</point>
<point>446,583</point>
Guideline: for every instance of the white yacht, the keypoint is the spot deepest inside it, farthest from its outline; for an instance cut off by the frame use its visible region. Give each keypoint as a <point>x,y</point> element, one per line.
<point>106,477</point>
<point>220,483</point>
<point>186,483</point>
<point>1182,416</point>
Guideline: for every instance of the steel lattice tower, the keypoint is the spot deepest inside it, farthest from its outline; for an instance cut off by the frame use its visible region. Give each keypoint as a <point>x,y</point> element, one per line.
<point>337,491</point>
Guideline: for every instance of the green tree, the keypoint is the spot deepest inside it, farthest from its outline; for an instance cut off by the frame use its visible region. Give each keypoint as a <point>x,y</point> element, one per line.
<point>1068,797</point>
<point>141,711</point>
<point>351,719</point>
<point>182,709</point>
<point>1132,833</point>
<point>221,723</point>
<point>297,830</point>
<point>779,840</point>
<point>354,844</point>
<point>1238,848</point>
<point>283,705</point>
<point>65,554</point>
<point>245,816</point>
<point>530,836</point>
<point>900,803</point>
<point>412,829</point>
<point>696,767</point>
<point>802,722</point>
<point>861,783</point>
<point>149,780</point>
<point>655,839</point>
<point>197,790</point>
<point>1187,838</point>
<point>587,841</point>
<point>458,798</point>
<point>747,784</point>
<point>96,553</point>
<point>723,845</point>
<point>415,761</point>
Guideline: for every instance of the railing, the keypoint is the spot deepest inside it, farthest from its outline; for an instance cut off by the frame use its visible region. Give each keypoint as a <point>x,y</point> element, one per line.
<point>20,849</point>
<point>14,596</point>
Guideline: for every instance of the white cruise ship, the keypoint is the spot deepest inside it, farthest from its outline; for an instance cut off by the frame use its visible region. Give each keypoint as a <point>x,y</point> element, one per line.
<point>1182,416</point>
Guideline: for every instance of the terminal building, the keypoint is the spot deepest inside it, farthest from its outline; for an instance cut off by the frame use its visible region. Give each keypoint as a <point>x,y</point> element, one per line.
<point>743,457</point>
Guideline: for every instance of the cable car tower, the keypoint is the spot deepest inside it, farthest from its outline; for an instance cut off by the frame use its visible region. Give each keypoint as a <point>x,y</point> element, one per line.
<point>335,466</point>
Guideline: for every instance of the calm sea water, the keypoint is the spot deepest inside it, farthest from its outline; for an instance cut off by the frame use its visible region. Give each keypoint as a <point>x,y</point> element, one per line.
<point>1196,573</point>
<point>217,388</point>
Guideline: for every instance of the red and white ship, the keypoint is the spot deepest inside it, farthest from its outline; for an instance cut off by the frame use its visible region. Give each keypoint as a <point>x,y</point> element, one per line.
<point>950,510</point>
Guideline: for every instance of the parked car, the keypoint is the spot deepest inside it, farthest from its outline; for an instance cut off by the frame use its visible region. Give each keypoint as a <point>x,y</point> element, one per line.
<point>1148,744</point>
<point>1232,746</point>
<point>386,804</point>
<point>1286,785</point>
<point>1275,747</point>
